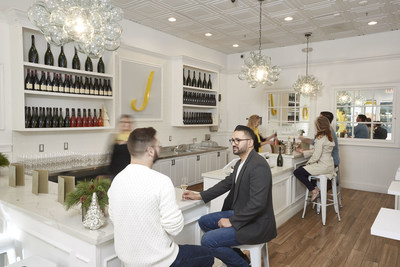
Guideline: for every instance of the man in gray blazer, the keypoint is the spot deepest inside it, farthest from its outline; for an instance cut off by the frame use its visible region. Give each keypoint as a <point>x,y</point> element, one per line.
<point>247,216</point>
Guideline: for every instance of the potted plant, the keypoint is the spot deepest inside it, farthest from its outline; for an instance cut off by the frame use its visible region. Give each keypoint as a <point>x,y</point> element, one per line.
<point>3,160</point>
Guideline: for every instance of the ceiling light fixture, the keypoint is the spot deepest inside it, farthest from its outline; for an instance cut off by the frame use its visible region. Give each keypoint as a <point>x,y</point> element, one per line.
<point>235,45</point>
<point>92,25</point>
<point>372,23</point>
<point>307,85</point>
<point>208,34</point>
<point>343,98</point>
<point>171,19</point>
<point>257,68</point>
<point>288,18</point>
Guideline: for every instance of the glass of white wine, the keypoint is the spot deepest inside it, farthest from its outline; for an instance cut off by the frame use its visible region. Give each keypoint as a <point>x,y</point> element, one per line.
<point>184,185</point>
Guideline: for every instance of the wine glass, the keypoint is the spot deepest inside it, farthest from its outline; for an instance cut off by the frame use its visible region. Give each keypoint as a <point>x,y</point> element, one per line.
<point>184,184</point>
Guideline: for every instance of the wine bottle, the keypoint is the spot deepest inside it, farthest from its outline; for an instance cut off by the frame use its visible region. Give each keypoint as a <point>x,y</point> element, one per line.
<point>100,66</point>
<point>184,78</point>
<point>36,82</point>
<point>194,81</point>
<point>35,117</point>
<point>61,84</point>
<point>109,89</point>
<point>62,60</point>
<point>55,82</point>
<point>81,86</point>
<point>76,63</point>
<point>33,55</point>
<point>96,86</point>
<point>279,160</point>
<point>67,84</point>
<point>42,119</point>
<point>67,122</point>
<point>88,64</point>
<point>199,81</point>
<point>55,118</point>
<point>79,119</point>
<point>209,84</point>
<point>49,118</point>
<point>188,79</point>
<point>100,119</point>
<point>28,117</point>
<point>90,119</point>
<point>49,84</point>
<point>72,119</point>
<point>95,121</point>
<point>42,82</point>
<point>84,119</point>
<point>61,119</point>
<point>28,81</point>
<point>204,85</point>
<point>101,88</point>
<point>86,86</point>
<point>73,85</point>
<point>91,87</point>
<point>48,56</point>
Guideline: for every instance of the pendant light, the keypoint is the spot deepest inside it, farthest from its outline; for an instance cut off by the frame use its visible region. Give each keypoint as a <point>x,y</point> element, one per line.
<point>307,85</point>
<point>257,68</point>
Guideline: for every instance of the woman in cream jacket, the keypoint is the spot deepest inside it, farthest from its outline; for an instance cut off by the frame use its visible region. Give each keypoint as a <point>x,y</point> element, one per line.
<point>321,161</point>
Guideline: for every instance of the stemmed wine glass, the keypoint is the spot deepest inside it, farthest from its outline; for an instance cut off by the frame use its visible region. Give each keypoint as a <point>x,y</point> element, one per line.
<point>184,184</point>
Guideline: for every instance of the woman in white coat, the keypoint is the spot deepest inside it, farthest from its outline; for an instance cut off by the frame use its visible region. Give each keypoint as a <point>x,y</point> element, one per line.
<point>321,161</point>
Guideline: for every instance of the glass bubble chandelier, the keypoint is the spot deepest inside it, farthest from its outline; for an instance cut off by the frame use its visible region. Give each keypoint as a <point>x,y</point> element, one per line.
<point>343,98</point>
<point>307,85</point>
<point>91,24</point>
<point>257,68</point>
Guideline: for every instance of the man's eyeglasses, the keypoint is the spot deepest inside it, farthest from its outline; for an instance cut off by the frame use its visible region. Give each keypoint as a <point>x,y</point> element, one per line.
<point>236,141</point>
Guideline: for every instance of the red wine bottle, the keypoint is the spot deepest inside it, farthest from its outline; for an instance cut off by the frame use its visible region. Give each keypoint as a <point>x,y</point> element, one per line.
<point>55,82</point>
<point>28,81</point>
<point>79,119</point>
<point>84,119</point>
<point>42,82</point>
<point>36,82</point>
<point>100,119</point>
<point>72,119</point>
<point>96,86</point>
<point>91,87</point>
<point>95,121</point>
<point>90,119</point>
<point>49,83</point>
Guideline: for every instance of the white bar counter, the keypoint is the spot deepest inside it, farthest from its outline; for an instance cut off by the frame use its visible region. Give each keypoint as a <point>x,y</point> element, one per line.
<point>46,229</point>
<point>387,224</point>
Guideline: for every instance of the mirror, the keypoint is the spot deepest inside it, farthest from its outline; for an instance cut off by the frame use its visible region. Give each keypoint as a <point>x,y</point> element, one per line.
<point>364,113</point>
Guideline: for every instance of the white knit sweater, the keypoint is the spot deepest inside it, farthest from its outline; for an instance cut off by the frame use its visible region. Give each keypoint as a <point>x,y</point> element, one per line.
<point>143,209</point>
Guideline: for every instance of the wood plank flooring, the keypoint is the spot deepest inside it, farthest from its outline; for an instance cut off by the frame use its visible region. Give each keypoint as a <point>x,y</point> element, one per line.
<point>306,242</point>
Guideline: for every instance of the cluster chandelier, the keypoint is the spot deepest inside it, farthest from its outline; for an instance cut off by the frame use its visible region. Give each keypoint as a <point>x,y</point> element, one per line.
<point>307,85</point>
<point>343,98</point>
<point>91,24</point>
<point>257,68</point>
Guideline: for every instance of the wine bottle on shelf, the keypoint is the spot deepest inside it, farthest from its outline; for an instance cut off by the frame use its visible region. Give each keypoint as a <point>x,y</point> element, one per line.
<point>199,81</point>
<point>88,64</point>
<point>109,88</point>
<point>72,85</point>
<point>184,78</point>
<point>100,66</point>
<point>61,122</point>
<point>61,84</point>
<point>81,86</point>
<point>62,60</point>
<point>84,119</point>
<point>76,63</point>
<point>42,119</point>
<point>96,86</point>
<point>90,119</point>
<point>194,81</point>
<point>55,82</point>
<point>35,117</point>
<point>28,80</point>
<point>55,118</point>
<point>91,87</point>
<point>67,84</point>
<point>42,82</point>
<point>188,79</point>
<point>101,88</point>
<point>72,119</point>
<point>95,121</point>
<point>209,84</point>
<point>279,160</point>
<point>67,121</point>
<point>28,117</point>
<point>36,82</point>
<point>79,119</point>
<point>49,84</point>
<point>48,56</point>
<point>204,85</point>
<point>33,55</point>
<point>100,119</point>
<point>49,118</point>
<point>86,86</point>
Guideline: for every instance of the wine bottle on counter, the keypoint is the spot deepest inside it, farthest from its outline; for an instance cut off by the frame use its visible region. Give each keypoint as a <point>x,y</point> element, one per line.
<point>88,64</point>
<point>209,84</point>
<point>95,120</point>
<point>279,160</point>
<point>62,60</point>
<point>194,81</point>
<point>199,81</point>
<point>84,119</point>
<point>54,122</point>
<point>48,56</point>
<point>100,119</point>
<point>67,122</point>
<point>61,119</point>
<point>28,117</point>
<point>36,82</point>
<point>33,55</point>
<point>76,63</point>
<point>79,119</point>
<point>28,81</point>
<point>204,84</point>
<point>49,84</point>
<point>188,79</point>
<point>184,78</point>
<point>100,66</point>
<point>90,119</point>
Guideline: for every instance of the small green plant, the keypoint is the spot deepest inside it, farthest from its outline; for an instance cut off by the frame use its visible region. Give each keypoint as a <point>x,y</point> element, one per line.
<point>83,193</point>
<point>3,160</point>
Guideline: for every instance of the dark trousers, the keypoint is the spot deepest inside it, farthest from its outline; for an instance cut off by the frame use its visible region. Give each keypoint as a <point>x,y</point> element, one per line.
<point>193,256</point>
<point>302,175</point>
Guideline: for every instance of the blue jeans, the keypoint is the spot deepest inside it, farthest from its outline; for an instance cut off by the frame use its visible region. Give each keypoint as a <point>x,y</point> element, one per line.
<point>193,256</point>
<point>219,240</point>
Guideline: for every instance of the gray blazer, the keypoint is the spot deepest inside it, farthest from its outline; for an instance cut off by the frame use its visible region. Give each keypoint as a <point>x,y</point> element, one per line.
<point>250,199</point>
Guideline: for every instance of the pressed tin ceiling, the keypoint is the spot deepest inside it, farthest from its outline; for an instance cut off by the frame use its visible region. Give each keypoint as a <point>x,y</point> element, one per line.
<point>237,23</point>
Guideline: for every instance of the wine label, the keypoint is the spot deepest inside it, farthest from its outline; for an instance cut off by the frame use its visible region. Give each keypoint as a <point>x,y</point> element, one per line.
<point>43,87</point>
<point>87,91</point>
<point>72,90</point>
<point>61,89</point>
<point>49,88</point>
<point>101,92</point>
<point>82,91</point>
<point>55,88</point>
<point>29,86</point>
<point>96,92</point>
<point>91,92</point>
<point>67,90</point>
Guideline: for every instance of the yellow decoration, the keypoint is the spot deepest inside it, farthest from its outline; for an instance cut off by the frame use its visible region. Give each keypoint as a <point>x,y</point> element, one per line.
<point>273,111</point>
<point>341,117</point>
<point>146,95</point>
<point>305,114</point>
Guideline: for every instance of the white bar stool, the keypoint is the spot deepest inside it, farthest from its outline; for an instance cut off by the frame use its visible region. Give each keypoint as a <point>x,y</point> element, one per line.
<point>255,253</point>
<point>7,245</point>
<point>339,190</point>
<point>322,184</point>
<point>34,261</point>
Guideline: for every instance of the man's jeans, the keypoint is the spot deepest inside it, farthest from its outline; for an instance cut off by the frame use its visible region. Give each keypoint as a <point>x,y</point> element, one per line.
<point>193,256</point>
<point>219,240</point>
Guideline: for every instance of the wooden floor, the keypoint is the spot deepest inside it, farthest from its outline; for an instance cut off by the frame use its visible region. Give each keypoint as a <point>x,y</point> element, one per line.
<point>306,242</point>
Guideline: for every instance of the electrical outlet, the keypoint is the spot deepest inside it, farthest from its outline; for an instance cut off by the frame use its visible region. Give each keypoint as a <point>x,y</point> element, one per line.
<point>170,138</point>
<point>41,147</point>
<point>65,145</point>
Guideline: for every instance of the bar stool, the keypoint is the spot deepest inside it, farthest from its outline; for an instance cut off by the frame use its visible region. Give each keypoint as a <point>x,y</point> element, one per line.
<point>322,184</point>
<point>7,245</point>
<point>255,253</point>
<point>339,190</point>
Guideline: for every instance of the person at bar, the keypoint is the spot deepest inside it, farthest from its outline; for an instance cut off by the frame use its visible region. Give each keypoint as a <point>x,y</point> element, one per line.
<point>379,131</point>
<point>247,215</point>
<point>321,161</point>
<point>361,129</point>
<point>145,214</point>
<point>253,123</point>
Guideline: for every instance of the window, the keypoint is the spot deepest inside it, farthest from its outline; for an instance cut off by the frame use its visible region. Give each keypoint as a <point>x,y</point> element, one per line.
<point>365,113</point>
<point>288,114</point>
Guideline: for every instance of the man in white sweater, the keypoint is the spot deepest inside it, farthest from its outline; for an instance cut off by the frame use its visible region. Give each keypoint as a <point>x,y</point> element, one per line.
<point>143,209</point>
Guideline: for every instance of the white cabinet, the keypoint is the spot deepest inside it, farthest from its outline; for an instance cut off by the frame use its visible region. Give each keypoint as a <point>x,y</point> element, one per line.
<point>221,159</point>
<point>61,98</point>
<point>174,168</point>
<point>193,104</point>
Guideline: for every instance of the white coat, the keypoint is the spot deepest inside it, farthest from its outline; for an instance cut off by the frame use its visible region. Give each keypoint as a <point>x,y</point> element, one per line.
<point>321,161</point>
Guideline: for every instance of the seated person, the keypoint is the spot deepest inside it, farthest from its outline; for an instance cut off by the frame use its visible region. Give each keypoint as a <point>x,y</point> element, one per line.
<point>379,131</point>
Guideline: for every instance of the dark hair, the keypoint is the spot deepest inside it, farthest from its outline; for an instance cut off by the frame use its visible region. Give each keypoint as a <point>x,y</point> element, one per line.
<point>362,117</point>
<point>140,139</point>
<point>247,131</point>
<point>328,115</point>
